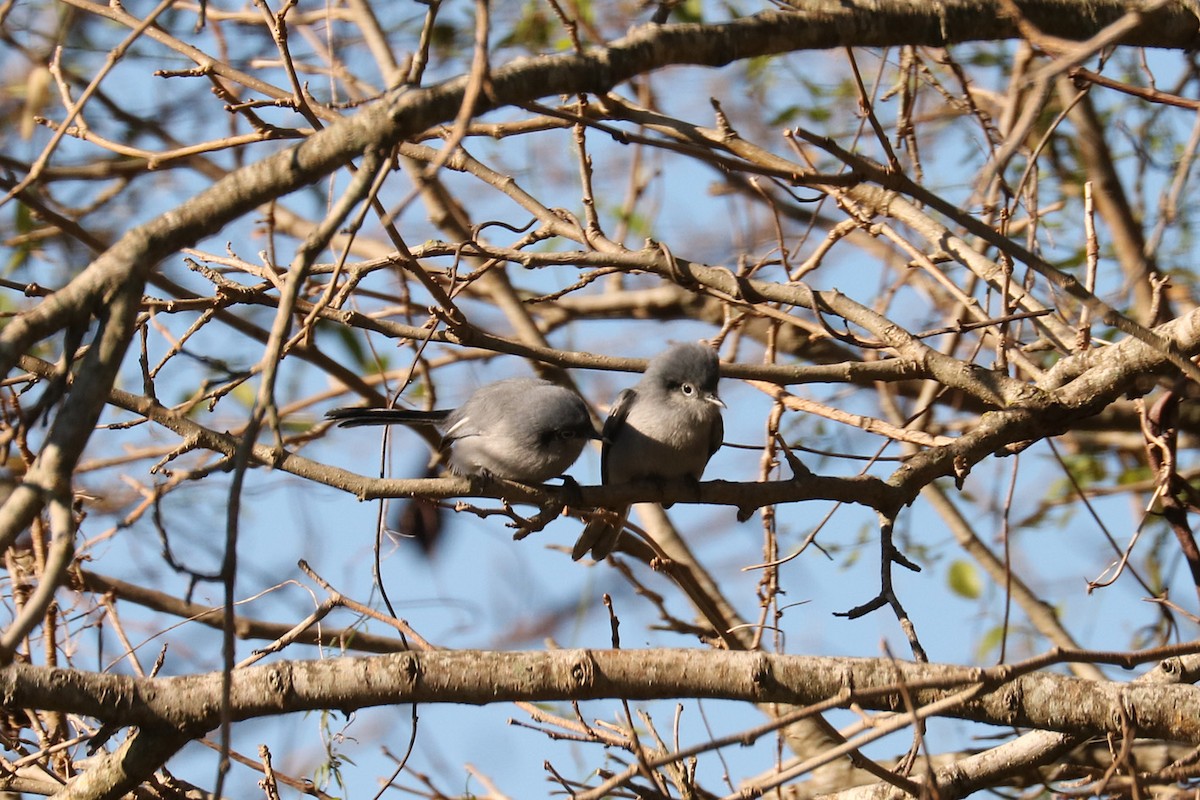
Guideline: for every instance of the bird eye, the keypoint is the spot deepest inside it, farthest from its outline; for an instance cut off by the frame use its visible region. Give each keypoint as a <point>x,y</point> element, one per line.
<point>568,434</point>
<point>687,389</point>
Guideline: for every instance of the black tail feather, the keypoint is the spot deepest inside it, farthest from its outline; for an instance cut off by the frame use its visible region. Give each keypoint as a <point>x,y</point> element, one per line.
<point>354,416</point>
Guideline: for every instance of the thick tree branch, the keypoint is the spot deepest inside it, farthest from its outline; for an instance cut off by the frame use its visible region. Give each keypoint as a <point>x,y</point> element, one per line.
<point>1002,695</point>
<point>410,111</point>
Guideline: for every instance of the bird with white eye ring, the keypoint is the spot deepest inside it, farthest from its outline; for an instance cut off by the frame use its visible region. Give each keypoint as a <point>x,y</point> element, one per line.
<point>666,426</point>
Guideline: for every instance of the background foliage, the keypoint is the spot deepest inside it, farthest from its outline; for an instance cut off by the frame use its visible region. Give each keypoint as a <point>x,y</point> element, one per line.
<point>947,257</point>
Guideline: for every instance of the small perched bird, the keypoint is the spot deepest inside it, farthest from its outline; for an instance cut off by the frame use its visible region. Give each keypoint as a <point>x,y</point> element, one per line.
<point>518,429</point>
<point>666,426</point>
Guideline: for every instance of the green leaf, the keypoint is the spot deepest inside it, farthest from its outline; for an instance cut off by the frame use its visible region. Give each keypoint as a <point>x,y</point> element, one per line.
<point>532,30</point>
<point>990,642</point>
<point>351,342</point>
<point>964,580</point>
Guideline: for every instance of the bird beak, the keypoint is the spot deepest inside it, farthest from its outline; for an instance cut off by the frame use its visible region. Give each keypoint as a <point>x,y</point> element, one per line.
<point>712,398</point>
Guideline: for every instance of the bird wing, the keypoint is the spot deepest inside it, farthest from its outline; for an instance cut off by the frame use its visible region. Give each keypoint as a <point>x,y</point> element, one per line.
<point>716,435</point>
<point>613,426</point>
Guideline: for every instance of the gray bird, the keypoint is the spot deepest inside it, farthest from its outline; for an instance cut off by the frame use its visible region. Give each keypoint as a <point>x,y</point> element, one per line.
<point>518,429</point>
<point>666,426</point>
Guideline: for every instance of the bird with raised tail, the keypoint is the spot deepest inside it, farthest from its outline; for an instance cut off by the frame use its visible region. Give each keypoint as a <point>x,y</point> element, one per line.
<point>527,430</point>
